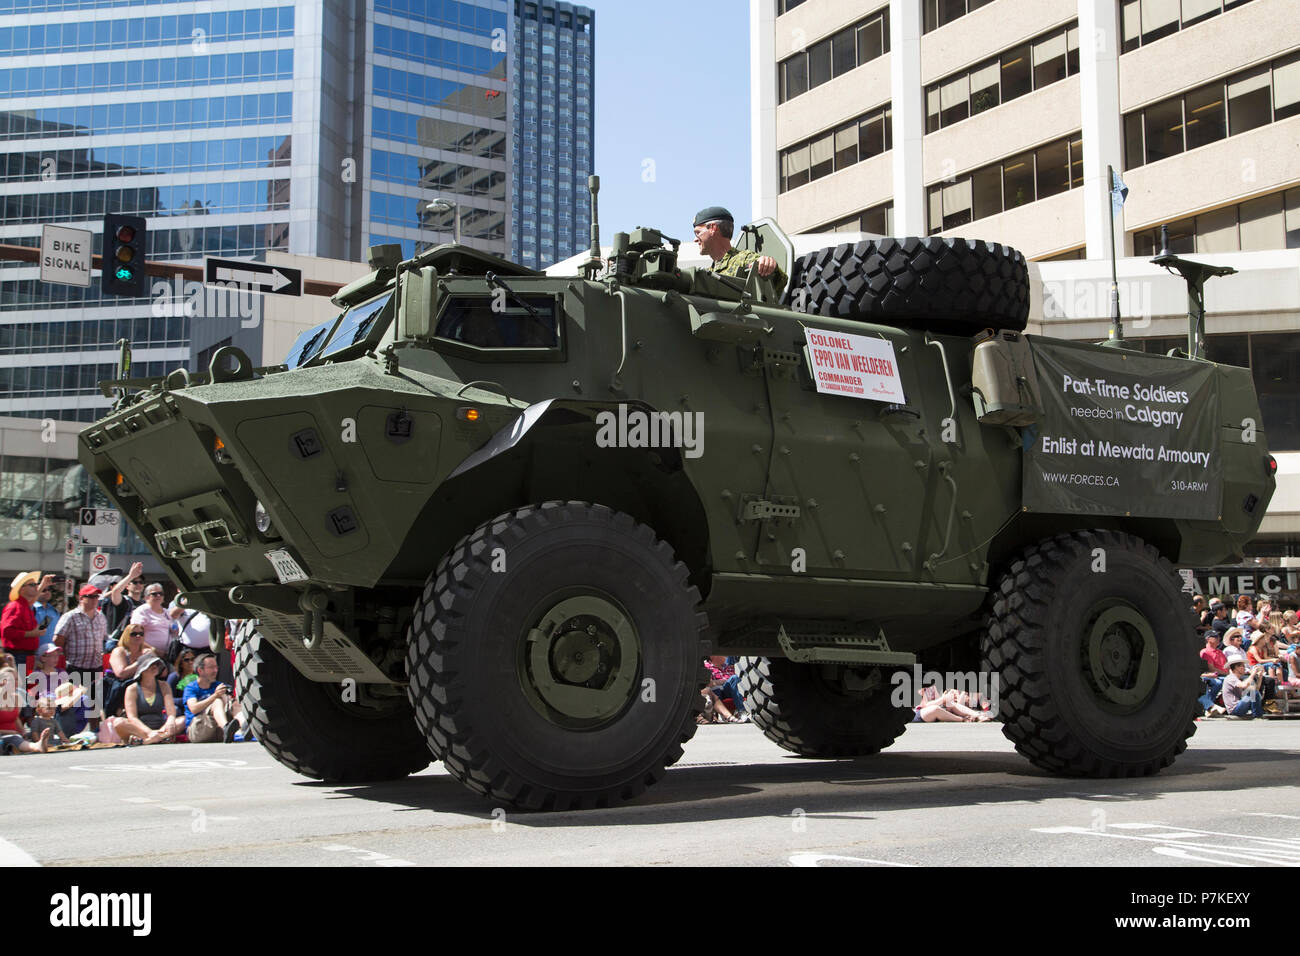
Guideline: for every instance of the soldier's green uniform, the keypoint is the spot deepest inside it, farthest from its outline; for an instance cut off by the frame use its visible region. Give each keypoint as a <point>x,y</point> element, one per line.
<point>736,262</point>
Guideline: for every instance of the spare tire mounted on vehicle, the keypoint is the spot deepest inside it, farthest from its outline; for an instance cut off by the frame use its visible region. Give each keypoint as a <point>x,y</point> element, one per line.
<point>949,286</point>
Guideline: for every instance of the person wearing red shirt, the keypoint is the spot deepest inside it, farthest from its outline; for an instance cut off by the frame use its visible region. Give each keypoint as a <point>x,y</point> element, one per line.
<point>19,632</point>
<point>13,731</point>
<point>1216,663</point>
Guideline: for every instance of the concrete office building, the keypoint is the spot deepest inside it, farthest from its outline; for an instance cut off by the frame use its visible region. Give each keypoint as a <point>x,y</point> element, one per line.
<point>997,119</point>
<point>308,127</point>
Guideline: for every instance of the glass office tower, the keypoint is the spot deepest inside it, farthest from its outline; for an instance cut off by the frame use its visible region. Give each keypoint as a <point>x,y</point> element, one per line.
<point>316,127</point>
<point>437,124</point>
<point>180,116</point>
<point>553,129</point>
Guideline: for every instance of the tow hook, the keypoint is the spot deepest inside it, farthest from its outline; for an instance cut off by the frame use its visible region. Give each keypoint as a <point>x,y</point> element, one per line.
<point>313,603</point>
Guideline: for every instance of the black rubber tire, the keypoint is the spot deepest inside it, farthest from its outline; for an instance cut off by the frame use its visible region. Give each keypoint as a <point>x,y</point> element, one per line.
<point>306,726</point>
<point>1049,704</point>
<point>948,286</point>
<point>801,712</point>
<point>467,638</point>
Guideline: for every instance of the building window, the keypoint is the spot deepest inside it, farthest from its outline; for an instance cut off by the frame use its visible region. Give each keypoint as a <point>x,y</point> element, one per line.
<point>938,13</point>
<point>1022,69</point>
<point>1015,181</point>
<point>878,220</point>
<point>1267,222</point>
<point>1145,21</point>
<point>1207,114</point>
<point>833,56</point>
<point>832,150</point>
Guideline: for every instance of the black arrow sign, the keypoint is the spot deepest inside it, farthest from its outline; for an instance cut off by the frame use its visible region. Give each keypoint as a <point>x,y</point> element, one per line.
<point>253,276</point>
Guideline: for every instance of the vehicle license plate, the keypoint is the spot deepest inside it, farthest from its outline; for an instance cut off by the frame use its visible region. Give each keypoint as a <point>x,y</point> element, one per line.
<point>286,568</point>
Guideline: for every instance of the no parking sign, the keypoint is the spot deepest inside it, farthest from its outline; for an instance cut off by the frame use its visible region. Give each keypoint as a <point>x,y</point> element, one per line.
<point>98,562</point>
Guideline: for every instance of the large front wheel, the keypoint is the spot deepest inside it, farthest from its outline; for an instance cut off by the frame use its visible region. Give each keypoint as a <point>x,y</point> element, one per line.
<point>555,657</point>
<point>314,729</point>
<point>1092,644</point>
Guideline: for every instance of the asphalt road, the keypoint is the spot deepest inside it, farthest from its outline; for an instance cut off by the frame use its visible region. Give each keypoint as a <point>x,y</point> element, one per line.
<point>943,794</point>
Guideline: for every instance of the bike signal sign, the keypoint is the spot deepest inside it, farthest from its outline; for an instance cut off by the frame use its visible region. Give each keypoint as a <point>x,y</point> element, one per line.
<point>99,527</point>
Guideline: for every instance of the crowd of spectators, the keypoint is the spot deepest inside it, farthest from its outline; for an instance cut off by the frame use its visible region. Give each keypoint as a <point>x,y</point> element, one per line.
<point>1251,656</point>
<point>120,667</point>
<point>123,667</point>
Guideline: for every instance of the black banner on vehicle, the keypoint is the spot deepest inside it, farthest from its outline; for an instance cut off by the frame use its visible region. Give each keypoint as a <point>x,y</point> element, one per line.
<point>1124,434</point>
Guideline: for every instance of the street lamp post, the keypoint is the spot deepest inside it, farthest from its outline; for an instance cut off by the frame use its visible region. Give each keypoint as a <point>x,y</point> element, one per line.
<point>455,209</point>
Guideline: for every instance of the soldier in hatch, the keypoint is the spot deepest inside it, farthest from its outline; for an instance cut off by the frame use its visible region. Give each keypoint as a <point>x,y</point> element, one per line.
<point>713,229</point>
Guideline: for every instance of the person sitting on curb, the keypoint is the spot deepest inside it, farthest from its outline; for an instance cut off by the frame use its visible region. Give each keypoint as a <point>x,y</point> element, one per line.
<point>1241,696</point>
<point>45,724</point>
<point>1263,650</point>
<point>182,674</point>
<point>151,714</point>
<point>123,665</point>
<point>947,706</point>
<point>13,732</point>
<point>1216,669</point>
<point>210,714</point>
<point>1220,623</point>
<point>1232,649</point>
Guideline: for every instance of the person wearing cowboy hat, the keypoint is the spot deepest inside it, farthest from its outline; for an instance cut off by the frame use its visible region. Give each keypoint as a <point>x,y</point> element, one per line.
<point>19,632</point>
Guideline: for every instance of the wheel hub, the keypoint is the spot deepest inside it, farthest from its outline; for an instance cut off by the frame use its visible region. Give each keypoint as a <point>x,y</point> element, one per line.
<point>1121,656</point>
<point>579,663</point>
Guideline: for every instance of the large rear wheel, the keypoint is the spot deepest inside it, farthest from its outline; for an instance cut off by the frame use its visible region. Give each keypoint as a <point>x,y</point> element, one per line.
<point>1090,637</point>
<point>555,657</point>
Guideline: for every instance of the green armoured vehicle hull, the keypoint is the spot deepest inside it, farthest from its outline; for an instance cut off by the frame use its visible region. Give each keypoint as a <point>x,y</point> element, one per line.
<point>500,517</point>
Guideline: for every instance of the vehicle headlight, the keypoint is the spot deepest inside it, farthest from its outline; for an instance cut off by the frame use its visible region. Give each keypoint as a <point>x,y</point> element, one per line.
<point>261,519</point>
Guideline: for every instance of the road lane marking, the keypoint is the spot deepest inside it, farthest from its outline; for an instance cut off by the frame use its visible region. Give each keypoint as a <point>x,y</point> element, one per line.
<point>1262,850</point>
<point>13,855</point>
<point>815,859</point>
<point>1180,853</point>
<point>368,856</point>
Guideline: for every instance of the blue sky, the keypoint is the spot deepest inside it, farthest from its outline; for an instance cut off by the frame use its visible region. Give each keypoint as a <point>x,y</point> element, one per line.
<point>672,112</point>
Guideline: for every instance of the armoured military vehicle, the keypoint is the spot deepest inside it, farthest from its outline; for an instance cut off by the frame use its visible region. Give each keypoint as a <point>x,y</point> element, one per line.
<point>497,517</point>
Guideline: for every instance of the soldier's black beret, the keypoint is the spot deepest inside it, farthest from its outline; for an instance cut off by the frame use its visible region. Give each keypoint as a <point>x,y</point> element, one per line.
<point>710,213</point>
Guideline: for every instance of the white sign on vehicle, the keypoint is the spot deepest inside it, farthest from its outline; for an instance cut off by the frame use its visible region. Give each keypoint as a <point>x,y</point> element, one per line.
<point>286,568</point>
<point>99,527</point>
<point>859,366</point>
<point>65,255</point>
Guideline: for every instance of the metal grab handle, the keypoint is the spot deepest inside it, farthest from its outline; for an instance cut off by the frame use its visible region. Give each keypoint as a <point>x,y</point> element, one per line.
<point>479,383</point>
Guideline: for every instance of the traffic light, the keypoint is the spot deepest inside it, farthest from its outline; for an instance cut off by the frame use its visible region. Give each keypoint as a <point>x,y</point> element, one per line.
<point>123,269</point>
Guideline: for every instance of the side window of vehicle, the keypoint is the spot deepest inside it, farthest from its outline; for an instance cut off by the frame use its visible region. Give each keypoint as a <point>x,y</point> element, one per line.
<point>473,321</point>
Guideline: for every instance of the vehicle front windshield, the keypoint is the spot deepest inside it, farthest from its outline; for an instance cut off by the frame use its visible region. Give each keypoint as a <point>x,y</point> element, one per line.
<point>308,344</point>
<point>357,324</point>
